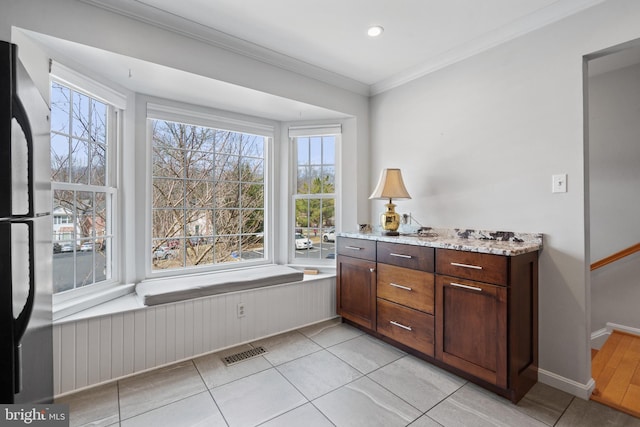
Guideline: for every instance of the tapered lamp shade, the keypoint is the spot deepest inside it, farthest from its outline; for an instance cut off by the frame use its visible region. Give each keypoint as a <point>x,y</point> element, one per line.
<point>390,186</point>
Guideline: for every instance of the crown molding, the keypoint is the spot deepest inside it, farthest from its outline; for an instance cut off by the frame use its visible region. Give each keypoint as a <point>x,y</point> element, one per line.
<point>541,18</point>
<point>159,18</point>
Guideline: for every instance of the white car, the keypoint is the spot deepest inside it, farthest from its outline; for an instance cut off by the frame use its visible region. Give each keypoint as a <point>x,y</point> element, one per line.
<point>329,235</point>
<point>303,242</point>
<point>162,252</point>
<point>86,247</point>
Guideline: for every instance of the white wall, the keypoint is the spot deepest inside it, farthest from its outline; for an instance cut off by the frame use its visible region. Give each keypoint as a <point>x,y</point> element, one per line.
<point>614,161</point>
<point>478,142</point>
<point>614,179</point>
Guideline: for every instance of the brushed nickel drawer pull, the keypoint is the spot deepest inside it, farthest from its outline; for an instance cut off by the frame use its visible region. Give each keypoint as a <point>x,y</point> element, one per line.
<point>401,255</point>
<point>395,285</point>
<point>353,248</point>
<point>400,325</point>
<point>473,288</point>
<point>475,267</point>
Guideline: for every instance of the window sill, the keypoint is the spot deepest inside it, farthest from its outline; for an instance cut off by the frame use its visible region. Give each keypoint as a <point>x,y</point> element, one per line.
<point>72,308</point>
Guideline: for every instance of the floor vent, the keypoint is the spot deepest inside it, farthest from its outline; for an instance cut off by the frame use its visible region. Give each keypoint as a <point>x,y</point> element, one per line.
<point>244,355</point>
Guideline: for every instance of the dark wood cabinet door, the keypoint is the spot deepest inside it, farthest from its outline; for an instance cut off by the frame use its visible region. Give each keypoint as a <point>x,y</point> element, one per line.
<point>471,326</point>
<point>356,290</point>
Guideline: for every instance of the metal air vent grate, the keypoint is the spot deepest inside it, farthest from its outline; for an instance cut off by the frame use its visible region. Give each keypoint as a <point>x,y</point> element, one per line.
<point>244,355</point>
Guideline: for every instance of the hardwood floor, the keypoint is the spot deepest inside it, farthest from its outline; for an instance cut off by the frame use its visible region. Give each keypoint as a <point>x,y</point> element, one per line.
<point>616,370</point>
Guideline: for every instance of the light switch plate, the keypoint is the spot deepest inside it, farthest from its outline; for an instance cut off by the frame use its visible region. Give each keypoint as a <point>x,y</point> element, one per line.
<point>559,183</point>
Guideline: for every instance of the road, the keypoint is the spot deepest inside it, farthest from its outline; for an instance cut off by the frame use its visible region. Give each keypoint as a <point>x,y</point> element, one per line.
<point>63,267</point>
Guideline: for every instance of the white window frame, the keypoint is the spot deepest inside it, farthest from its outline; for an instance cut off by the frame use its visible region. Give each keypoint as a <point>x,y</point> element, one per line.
<point>311,130</point>
<point>116,105</point>
<point>201,116</point>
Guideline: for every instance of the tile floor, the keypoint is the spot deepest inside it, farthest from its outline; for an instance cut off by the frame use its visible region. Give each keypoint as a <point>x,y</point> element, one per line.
<point>328,374</point>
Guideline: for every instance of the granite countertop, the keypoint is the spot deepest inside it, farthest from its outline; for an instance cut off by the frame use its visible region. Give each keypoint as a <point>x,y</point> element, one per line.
<point>489,242</point>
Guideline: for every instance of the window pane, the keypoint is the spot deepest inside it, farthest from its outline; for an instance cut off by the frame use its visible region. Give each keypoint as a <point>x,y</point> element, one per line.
<point>199,194</point>
<point>168,223</point>
<point>328,180</point>
<point>329,150</point>
<point>303,180</point>
<point>168,193</point>
<point>98,164</point>
<point>80,118</point>
<point>60,108</point>
<point>79,162</point>
<point>199,252</point>
<point>59,158</point>
<point>303,151</point>
<point>227,249</point>
<point>252,221</point>
<point>100,218</point>
<point>253,146</point>
<point>168,162</point>
<point>98,122</point>
<point>252,195</point>
<point>315,150</point>
<point>84,213</point>
<point>252,170</point>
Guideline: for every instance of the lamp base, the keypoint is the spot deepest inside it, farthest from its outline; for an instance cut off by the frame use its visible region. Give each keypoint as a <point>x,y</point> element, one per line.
<point>390,220</point>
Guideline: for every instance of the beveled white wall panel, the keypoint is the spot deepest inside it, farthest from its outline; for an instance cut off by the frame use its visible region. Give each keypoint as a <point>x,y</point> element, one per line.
<point>95,350</point>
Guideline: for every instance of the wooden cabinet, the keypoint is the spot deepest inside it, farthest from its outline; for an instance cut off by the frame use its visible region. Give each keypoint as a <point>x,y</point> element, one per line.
<point>487,317</point>
<point>472,313</point>
<point>356,281</point>
<point>472,328</point>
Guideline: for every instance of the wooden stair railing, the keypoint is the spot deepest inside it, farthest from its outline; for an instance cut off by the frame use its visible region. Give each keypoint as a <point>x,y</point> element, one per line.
<point>615,257</point>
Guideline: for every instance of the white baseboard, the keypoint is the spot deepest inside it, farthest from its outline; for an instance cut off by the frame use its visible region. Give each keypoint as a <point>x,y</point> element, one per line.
<point>600,336</point>
<point>583,391</point>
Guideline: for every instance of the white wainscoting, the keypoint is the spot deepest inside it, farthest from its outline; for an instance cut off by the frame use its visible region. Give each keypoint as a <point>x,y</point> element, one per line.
<point>100,349</point>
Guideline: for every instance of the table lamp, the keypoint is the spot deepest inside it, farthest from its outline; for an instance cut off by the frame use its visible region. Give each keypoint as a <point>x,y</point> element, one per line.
<point>390,186</point>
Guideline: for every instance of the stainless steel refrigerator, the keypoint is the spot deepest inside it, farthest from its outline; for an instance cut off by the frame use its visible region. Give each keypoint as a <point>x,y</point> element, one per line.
<point>26,344</point>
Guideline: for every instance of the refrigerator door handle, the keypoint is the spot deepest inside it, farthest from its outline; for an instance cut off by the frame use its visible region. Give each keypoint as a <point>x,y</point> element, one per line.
<point>20,323</point>
<point>21,117</point>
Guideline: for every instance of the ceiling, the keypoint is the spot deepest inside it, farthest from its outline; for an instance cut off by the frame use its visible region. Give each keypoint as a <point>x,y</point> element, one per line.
<point>325,40</point>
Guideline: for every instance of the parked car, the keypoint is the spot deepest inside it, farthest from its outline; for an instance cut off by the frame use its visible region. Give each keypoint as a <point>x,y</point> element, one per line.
<point>66,247</point>
<point>329,235</point>
<point>162,252</point>
<point>303,242</point>
<point>57,248</point>
<point>86,247</point>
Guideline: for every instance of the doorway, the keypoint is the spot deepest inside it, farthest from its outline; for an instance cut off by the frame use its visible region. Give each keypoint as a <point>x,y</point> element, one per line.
<point>612,199</point>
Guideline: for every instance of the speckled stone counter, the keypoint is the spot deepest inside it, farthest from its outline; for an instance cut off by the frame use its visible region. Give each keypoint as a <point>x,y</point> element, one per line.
<point>489,242</point>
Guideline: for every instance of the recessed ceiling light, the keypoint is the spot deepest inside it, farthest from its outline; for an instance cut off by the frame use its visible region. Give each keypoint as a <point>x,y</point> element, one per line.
<point>375,31</point>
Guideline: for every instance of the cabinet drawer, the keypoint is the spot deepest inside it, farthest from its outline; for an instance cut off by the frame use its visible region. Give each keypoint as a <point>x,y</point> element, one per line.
<point>407,326</point>
<point>357,248</point>
<point>409,256</point>
<point>412,288</point>
<point>472,265</point>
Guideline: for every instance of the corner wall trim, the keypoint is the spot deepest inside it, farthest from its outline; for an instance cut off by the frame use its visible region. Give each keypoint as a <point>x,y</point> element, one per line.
<point>583,391</point>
